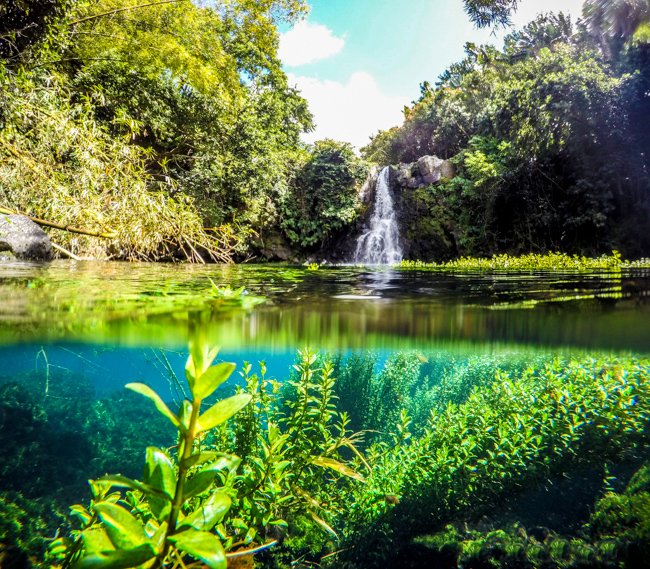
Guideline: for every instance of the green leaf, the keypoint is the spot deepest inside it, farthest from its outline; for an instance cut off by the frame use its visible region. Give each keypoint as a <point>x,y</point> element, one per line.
<point>121,559</point>
<point>199,360</point>
<point>219,460</point>
<point>123,482</point>
<point>199,483</point>
<point>96,540</point>
<point>150,394</point>
<point>203,546</point>
<point>205,385</point>
<point>210,513</point>
<point>222,411</point>
<point>123,529</point>
<point>338,466</point>
<point>322,523</point>
<point>159,472</point>
<point>184,414</point>
<point>78,511</point>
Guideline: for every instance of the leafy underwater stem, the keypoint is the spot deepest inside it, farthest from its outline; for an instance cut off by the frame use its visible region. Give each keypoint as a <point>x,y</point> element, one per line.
<point>185,446</point>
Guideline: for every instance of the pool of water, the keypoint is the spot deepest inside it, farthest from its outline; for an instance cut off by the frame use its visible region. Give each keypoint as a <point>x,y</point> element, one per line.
<point>72,334</point>
<point>333,307</point>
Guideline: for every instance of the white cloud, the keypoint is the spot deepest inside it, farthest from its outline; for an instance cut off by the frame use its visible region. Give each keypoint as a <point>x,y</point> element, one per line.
<point>350,111</point>
<point>307,42</point>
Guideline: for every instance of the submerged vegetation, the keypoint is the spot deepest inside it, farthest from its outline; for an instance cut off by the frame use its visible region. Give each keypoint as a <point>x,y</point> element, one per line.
<point>351,462</point>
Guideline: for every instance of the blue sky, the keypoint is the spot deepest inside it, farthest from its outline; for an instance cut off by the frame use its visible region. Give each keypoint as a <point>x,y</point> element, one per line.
<point>358,62</point>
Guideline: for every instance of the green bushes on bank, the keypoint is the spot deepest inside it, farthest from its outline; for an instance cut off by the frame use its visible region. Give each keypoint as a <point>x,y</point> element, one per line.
<point>533,262</point>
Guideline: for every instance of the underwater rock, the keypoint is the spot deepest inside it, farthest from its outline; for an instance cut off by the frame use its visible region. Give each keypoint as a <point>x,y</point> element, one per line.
<point>24,238</point>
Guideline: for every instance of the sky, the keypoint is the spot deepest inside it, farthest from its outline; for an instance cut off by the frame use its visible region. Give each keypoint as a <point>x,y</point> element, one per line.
<point>359,62</point>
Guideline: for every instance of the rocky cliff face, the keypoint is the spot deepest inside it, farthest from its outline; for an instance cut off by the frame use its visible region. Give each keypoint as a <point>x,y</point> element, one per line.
<point>423,222</point>
<point>426,171</point>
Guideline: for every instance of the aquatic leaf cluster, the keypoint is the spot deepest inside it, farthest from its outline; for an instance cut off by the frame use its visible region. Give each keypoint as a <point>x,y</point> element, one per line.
<point>374,393</point>
<point>533,262</point>
<point>431,440</point>
<point>163,523</point>
<point>507,436</point>
<point>208,503</point>
<point>616,535</point>
<point>296,446</point>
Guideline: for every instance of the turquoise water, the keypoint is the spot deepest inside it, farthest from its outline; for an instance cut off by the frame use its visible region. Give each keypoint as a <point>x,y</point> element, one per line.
<point>72,334</point>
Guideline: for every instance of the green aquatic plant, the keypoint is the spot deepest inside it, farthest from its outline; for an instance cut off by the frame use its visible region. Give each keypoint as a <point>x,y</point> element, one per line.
<point>295,448</point>
<point>160,521</point>
<point>533,262</point>
<point>234,488</point>
<point>508,436</point>
<point>616,535</point>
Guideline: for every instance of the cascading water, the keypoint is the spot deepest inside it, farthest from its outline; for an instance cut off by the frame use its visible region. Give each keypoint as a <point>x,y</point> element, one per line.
<point>380,243</point>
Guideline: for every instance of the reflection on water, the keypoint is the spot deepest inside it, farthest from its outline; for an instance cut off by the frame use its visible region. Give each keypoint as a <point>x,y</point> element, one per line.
<point>336,307</point>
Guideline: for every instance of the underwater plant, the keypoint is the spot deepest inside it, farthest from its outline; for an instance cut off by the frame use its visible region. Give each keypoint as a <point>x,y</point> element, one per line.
<point>296,450</point>
<point>160,521</point>
<point>511,435</point>
<point>231,487</point>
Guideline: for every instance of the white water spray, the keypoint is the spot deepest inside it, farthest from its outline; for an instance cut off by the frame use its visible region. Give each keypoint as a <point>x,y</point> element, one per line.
<point>380,244</point>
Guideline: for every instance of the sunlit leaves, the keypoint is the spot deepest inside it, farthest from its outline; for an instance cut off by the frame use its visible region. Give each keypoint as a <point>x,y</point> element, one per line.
<point>203,545</point>
<point>121,538</point>
<point>222,411</point>
<point>337,466</point>
<point>123,529</point>
<point>209,513</point>
<point>117,559</point>
<point>150,394</point>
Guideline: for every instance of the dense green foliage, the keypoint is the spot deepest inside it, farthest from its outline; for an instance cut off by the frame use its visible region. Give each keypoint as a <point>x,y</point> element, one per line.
<point>169,127</point>
<point>533,262</point>
<point>509,436</point>
<point>324,196</point>
<point>549,138</point>
<point>440,440</point>
<point>616,535</point>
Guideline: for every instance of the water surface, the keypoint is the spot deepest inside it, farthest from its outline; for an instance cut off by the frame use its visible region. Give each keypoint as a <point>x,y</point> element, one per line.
<point>333,307</point>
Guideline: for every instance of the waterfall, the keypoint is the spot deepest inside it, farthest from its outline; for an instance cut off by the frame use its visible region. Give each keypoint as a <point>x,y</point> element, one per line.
<point>379,244</point>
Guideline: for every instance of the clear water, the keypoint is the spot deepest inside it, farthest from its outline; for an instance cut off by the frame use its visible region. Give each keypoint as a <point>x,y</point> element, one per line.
<point>346,307</point>
<point>73,328</point>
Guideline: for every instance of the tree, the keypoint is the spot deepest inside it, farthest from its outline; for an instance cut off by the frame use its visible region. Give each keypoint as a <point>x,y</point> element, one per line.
<point>614,22</point>
<point>24,22</point>
<point>323,198</point>
<point>486,13</point>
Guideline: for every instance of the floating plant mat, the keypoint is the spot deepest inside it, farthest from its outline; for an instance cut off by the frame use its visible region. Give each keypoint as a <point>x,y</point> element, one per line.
<point>334,307</point>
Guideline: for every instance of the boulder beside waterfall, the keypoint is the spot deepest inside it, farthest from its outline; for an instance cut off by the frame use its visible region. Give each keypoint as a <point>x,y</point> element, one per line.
<point>24,238</point>
<point>425,171</point>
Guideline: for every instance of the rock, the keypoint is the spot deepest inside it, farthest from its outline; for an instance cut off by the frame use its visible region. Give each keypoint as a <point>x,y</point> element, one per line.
<point>276,248</point>
<point>22,237</point>
<point>404,172</point>
<point>447,169</point>
<point>430,169</point>
<point>414,182</point>
<point>368,187</point>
